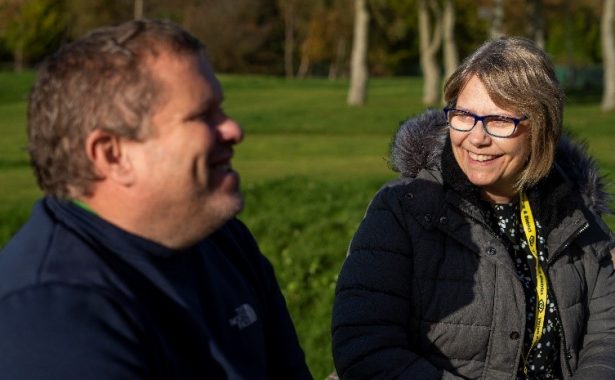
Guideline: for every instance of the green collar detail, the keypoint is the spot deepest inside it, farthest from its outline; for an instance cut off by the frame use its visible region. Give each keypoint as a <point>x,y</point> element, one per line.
<point>83,206</point>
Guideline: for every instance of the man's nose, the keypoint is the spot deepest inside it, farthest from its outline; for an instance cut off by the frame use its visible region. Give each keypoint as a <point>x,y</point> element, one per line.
<point>229,131</point>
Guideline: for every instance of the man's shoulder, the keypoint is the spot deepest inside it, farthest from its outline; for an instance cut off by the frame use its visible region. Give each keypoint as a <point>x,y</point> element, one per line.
<point>23,255</point>
<point>45,251</point>
<point>29,236</point>
<point>45,265</point>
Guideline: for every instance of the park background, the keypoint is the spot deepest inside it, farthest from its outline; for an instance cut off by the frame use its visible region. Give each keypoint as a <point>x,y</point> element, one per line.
<point>320,86</point>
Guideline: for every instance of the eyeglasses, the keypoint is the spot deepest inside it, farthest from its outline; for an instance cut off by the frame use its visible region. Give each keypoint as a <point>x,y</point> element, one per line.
<point>494,125</point>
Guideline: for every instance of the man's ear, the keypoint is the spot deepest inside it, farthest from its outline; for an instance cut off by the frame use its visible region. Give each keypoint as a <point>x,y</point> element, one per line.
<point>108,155</point>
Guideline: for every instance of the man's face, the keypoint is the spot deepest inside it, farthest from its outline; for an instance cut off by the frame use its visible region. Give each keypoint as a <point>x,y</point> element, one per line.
<point>184,167</point>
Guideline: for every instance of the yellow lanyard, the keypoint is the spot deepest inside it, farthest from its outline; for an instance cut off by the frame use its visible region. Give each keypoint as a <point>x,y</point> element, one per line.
<point>529,227</point>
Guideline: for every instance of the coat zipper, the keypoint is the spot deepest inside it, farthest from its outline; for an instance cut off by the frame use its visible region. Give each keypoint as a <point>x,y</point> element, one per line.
<point>551,260</point>
<point>561,249</point>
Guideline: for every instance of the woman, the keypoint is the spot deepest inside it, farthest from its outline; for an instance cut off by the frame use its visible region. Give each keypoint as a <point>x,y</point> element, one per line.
<point>440,281</point>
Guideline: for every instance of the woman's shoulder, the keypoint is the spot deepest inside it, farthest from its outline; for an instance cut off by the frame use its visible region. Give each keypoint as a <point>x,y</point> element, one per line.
<point>404,197</point>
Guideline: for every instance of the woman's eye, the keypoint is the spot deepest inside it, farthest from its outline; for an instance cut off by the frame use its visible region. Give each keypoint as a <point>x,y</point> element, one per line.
<point>465,117</point>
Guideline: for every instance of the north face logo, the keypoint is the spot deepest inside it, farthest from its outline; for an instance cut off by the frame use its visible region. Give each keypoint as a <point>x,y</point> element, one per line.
<point>245,316</point>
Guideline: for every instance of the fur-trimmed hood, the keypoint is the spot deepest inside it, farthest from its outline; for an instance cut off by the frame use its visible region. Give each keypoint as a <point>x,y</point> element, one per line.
<point>419,143</point>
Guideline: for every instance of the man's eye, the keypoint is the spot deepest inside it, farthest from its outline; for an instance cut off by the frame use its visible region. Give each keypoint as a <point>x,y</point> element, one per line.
<point>206,115</point>
<point>213,116</point>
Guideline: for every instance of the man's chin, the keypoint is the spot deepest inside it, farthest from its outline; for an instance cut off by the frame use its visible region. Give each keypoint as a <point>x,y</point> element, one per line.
<point>229,205</point>
<point>238,203</point>
<point>208,218</point>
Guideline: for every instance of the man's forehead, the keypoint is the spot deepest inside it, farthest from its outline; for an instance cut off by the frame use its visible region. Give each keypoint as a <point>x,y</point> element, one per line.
<point>208,72</point>
<point>168,64</point>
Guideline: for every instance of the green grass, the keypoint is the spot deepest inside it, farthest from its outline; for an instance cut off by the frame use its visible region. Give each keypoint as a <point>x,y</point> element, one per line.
<point>309,167</point>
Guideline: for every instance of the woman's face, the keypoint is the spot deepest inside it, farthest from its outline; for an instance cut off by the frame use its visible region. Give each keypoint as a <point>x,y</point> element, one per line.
<point>491,163</point>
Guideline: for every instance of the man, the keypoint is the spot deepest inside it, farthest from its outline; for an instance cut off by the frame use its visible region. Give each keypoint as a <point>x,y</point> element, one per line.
<point>133,266</point>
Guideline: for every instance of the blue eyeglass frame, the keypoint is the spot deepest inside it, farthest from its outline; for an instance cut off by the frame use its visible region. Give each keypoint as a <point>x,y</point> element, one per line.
<point>478,118</point>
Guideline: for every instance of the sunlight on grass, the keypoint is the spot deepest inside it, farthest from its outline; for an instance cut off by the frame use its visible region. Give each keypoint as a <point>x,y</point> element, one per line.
<point>332,157</point>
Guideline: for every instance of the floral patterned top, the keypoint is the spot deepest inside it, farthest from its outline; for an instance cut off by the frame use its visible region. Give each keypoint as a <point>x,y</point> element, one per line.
<point>544,359</point>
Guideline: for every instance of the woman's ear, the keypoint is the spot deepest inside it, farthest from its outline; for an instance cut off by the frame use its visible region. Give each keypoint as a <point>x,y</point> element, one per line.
<point>108,154</point>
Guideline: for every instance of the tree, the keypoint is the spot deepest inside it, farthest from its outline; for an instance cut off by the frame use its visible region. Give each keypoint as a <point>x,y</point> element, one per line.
<point>430,39</point>
<point>138,12</point>
<point>31,28</point>
<point>572,31</point>
<point>288,9</point>
<point>497,22</point>
<point>451,56</point>
<point>339,33</point>
<point>85,15</point>
<point>608,53</point>
<point>314,44</point>
<point>536,24</point>
<point>239,34</point>
<point>358,64</point>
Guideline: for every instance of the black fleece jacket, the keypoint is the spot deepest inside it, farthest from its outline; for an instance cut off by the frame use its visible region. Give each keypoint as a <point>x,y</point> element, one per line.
<point>83,299</point>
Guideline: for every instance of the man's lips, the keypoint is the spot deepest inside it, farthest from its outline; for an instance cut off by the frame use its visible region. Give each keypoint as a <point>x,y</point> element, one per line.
<point>222,166</point>
<point>221,161</point>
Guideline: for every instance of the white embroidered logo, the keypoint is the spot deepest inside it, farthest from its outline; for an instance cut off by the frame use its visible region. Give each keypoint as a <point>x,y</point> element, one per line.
<point>245,316</point>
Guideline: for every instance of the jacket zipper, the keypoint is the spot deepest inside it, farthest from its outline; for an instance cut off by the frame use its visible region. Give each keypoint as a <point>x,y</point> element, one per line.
<point>515,275</point>
<point>551,260</point>
<point>561,249</point>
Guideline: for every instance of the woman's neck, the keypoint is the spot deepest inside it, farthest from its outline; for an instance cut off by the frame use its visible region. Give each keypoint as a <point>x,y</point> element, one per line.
<point>498,197</point>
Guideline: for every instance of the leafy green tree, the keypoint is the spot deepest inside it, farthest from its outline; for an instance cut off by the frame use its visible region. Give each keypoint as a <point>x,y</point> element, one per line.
<point>394,44</point>
<point>240,35</point>
<point>85,15</point>
<point>573,32</point>
<point>32,28</point>
<point>325,31</point>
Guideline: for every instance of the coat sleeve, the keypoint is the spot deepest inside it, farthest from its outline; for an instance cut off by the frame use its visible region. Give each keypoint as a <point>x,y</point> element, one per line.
<point>66,332</point>
<point>597,357</point>
<point>372,305</point>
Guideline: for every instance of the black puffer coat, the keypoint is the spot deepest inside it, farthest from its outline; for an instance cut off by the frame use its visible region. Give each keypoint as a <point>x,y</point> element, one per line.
<point>428,290</point>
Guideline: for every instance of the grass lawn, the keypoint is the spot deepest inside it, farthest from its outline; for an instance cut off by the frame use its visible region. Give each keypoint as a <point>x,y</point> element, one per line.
<point>309,167</point>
